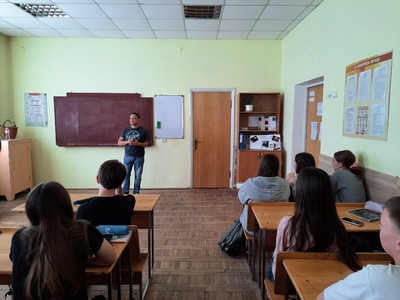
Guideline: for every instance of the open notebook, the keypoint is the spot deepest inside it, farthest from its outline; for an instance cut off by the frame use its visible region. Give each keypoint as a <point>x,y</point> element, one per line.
<point>370,213</point>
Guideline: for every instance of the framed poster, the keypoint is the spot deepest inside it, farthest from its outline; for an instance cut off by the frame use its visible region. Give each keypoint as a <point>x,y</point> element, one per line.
<point>36,110</point>
<point>366,105</point>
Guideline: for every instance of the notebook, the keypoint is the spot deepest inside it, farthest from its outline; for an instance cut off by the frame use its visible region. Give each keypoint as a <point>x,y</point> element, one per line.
<point>370,213</point>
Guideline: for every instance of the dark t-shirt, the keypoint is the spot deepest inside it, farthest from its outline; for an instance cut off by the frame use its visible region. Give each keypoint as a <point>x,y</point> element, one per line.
<point>20,266</point>
<point>141,135</point>
<point>116,210</point>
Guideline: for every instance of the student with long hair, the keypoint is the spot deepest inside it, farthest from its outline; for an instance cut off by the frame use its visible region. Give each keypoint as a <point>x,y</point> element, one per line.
<point>301,161</point>
<point>315,225</point>
<point>266,187</point>
<point>50,256</point>
<point>347,180</point>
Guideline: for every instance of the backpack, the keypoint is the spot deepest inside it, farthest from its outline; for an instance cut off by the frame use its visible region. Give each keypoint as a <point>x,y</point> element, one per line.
<point>233,242</point>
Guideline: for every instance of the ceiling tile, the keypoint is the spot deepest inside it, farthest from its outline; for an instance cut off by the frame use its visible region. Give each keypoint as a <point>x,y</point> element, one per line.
<point>233,35</point>
<point>146,34</point>
<point>293,25</point>
<point>73,1</point>
<point>283,34</point>
<point>317,2</point>
<point>44,32</point>
<point>30,22</point>
<point>282,12</point>
<point>162,11</point>
<point>202,2</point>
<point>306,12</point>
<point>83,10</point>
<point>245,2</point>
<point>196,24</point>
<point>242,12</point>
<point>107,33</point>
<point>97,23</point>
<point>4,24</point>
<point>272,24</point>
<point>10,10</point>
<point>237,24</point>
<point>158,24</point>
<point>122,11</point>
<point>132,24</point>
<point>264,35</point>
<point>117,1</point>
<point>202,34</point>
<point>83,33</point>
<point>31,1</point>
<point>159,1</point>
<point>171,34</point>
<point>14,32</point>
<point>62,23</point>
<point>290,2</point>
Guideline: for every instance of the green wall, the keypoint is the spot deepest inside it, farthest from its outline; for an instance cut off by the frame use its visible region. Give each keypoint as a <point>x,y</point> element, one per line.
<point>6,103</point>
<point>336,34</point>
<point>170,67</point>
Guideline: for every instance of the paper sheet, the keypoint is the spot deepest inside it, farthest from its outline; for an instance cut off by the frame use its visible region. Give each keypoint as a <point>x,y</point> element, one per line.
<point>351,88</point>
<point>349,116</point>
<point>314,130</point>
<point>364,86</point>
<point>378,112</point>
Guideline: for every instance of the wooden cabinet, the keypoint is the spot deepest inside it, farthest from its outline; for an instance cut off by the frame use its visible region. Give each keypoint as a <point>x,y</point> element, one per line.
<point>263,119</point>
<point>15,167</point>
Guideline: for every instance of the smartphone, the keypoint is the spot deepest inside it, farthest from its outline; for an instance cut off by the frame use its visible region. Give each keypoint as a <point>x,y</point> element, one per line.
<point>352,222</point>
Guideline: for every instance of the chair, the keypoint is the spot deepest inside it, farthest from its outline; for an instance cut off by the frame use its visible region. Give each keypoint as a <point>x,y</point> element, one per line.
<point>133,259</point>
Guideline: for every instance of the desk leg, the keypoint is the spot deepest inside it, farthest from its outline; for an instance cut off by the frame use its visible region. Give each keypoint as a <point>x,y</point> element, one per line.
<point>149,240</point>
<point>109,283</point>
<point>119,279</point>
<point>260,245</point>
<point>130,279</point>
<point>263,264</point>
<point>253,259</point>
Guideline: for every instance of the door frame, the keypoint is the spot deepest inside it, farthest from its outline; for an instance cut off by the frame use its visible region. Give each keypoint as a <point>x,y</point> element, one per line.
<point>300,118</point>
<point>232,152</point>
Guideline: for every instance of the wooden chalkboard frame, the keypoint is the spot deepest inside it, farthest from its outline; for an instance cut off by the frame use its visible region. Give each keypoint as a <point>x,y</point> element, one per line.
<point>97,119</point>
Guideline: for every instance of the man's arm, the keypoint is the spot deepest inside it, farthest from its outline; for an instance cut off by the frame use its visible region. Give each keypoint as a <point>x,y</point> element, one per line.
<point>137,143</point>
<point>122,142</point>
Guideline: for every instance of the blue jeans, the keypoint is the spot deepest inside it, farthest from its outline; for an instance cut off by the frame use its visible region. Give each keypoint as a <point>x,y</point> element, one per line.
<point>129,161</point>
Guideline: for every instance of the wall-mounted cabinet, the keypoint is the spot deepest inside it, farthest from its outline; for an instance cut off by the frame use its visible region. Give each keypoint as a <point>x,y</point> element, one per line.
<point>259,133</point>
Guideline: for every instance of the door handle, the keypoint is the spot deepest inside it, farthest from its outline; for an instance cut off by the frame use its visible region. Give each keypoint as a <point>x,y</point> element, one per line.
<point>195,144</point>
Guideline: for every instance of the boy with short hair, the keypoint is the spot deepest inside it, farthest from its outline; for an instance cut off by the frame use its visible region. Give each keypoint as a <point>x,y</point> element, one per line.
<point>375,281</point>
<point>110,207</point>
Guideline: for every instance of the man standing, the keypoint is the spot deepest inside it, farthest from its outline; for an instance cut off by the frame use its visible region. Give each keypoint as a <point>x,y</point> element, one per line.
<point>134,139</point>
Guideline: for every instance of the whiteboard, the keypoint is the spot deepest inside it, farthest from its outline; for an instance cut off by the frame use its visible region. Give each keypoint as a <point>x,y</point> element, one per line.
<point>169,117</point>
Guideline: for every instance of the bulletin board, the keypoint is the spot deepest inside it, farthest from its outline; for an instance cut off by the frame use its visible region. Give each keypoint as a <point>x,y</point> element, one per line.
<point>169,117</point>
<point>366,105</point>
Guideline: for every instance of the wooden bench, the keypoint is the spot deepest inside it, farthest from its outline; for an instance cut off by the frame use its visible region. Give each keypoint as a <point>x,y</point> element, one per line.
<point>282,285</point>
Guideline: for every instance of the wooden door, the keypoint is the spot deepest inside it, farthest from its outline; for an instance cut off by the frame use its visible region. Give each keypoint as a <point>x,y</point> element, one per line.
<point>211,138</point>
<point>314,120</point>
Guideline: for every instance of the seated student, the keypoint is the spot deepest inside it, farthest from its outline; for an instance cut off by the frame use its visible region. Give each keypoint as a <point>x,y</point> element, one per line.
<point>110,207</point>
<point>347,180</point>
<point>375,281</point>
<point>315,226</point>
<point>266,187</point>
<point>50,256</point>
<point>301,160</point>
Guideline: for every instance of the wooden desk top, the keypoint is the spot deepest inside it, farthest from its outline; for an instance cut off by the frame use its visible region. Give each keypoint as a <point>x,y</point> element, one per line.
<point>6,265</point>
<point>144,202</point>
<point>269,216</point>
<point>310,276</point>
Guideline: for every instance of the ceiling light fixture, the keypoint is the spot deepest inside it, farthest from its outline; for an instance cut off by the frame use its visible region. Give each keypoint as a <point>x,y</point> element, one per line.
<point>42,10</point>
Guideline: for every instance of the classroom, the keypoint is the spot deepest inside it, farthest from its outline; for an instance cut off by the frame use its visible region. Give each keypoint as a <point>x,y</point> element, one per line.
<point>336,34</point>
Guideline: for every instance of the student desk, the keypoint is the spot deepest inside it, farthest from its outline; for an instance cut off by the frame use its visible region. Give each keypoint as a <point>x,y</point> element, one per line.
<point>311,276</point>
<point>92,271</point>
<point>143,217</point>
<point>268,216</point>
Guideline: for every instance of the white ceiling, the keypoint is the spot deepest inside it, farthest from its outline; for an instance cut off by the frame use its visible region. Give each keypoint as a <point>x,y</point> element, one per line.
<point>162,19</point>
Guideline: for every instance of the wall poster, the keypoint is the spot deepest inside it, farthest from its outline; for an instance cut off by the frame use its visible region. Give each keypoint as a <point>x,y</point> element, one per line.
<point>36,109</point>
<point>366,103</point>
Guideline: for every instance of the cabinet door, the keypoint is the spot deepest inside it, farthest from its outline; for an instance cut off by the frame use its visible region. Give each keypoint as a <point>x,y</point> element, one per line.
<point>20,164</point>
<point>249,161</point>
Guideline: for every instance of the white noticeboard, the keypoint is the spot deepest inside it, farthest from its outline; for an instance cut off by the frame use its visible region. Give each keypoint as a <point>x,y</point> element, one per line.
<point>169,117</point>
<point>36,109</point>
